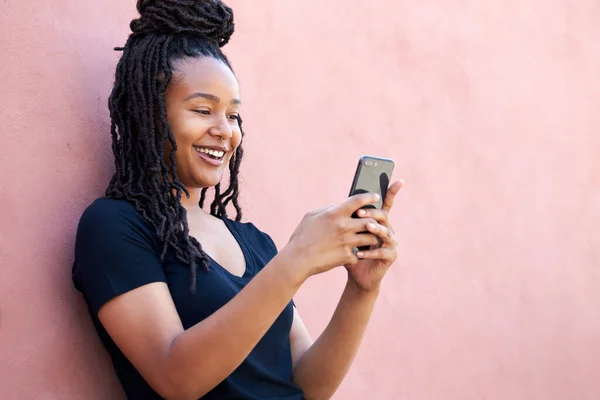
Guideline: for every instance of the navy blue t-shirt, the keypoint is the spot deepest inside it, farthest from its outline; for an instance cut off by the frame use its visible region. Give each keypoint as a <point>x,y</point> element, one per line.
<point>117,251</point>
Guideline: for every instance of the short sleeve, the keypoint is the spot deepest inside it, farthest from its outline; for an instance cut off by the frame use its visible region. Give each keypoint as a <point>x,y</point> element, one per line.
<point>262,244</point>
<point>259,243</point>
<point>265,240</point>
<point>115,252</point>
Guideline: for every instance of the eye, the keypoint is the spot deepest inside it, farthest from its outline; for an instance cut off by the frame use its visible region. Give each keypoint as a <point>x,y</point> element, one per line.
<point>234,117</point>
<point>202,112</point>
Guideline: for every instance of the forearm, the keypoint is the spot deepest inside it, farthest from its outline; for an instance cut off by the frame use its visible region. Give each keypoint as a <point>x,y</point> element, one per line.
<point>207,353</point>
<point>322,368</point>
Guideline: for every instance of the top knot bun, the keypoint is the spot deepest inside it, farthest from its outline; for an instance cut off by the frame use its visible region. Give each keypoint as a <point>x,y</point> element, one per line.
<point>211,19</point>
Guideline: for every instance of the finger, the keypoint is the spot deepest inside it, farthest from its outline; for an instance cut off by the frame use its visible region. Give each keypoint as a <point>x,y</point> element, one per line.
<point>391,194</point>
<point>356,225</point>
<point>353,203</point>
<point>381,216</point>
<point>362,225</point>
<point>363,239</point>
<point>382,253</point>
<point>385,234</point>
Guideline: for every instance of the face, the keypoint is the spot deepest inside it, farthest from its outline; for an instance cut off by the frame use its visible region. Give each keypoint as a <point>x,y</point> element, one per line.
<point>202,102</point>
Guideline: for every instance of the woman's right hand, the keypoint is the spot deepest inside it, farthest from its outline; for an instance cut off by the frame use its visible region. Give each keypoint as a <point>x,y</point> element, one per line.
<point>326,238</point>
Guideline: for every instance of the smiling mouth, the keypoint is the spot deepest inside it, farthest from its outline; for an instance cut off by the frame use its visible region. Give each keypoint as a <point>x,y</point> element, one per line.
<point>211,153</point>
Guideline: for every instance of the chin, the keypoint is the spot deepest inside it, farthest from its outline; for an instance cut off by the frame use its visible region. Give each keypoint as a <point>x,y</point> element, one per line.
<point>208,182</point>
<point>201,179</point>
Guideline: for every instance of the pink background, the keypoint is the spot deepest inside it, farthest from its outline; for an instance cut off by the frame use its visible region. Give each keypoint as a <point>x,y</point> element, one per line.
<point>490,109</point>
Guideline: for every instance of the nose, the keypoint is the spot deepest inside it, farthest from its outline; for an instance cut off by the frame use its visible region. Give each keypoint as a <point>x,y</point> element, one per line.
<point>221,129</point>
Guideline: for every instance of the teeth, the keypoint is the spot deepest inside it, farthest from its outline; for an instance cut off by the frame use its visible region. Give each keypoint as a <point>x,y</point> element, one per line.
<point>214,153</point>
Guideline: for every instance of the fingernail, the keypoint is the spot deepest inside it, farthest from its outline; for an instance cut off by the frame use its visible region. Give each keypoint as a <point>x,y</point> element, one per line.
<point>360,254</point>
<point>377,196</point>
<point>362,213</point>
<point>371,225</point>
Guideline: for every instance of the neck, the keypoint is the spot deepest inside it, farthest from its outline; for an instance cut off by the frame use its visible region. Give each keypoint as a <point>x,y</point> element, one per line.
<point>192,202</point>
<point>192,207</point>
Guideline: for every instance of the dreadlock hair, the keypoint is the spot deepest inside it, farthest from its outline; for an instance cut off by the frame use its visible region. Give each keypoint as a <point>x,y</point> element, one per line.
<point>165,32</point>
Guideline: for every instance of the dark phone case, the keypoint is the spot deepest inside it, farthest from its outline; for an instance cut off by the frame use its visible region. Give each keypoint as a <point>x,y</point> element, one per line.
<point>372,176</point>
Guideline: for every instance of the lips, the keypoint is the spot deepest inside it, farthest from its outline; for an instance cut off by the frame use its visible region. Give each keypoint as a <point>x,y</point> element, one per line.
<point>211,152</point>
<point>214,156</point>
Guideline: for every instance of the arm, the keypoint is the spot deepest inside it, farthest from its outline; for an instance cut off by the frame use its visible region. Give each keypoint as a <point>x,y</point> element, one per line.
<point>186,364</point>
<point>323,366</point>
<point>320,368</point>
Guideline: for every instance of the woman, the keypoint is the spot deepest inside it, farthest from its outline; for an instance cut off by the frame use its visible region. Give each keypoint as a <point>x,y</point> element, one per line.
<point>188,303</point>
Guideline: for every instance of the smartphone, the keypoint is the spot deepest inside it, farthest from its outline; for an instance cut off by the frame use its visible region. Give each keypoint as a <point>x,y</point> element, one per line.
<point>372,175</point>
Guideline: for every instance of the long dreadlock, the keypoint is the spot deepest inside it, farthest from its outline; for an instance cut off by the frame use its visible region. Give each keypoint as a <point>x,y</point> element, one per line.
<point>167,31</point>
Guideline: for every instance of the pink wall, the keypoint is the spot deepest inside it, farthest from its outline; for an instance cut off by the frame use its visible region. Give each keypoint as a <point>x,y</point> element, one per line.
<point>489,108</point>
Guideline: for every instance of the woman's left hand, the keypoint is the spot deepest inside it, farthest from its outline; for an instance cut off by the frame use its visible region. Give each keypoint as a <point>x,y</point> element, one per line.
<point>367,273</point>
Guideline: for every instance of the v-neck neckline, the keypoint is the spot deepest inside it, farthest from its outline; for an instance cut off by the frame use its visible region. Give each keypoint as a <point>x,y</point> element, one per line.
<point>245,251</point>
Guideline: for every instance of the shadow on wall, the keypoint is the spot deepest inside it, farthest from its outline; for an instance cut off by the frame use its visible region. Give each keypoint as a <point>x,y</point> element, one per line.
<point>90,145</point>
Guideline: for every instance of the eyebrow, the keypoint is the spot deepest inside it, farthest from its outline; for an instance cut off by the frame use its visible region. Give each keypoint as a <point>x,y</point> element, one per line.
<point>211,97</point>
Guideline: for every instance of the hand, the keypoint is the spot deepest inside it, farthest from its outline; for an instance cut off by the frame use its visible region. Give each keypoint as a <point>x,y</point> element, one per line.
<point>326,238</point>
<point>367,273</point>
